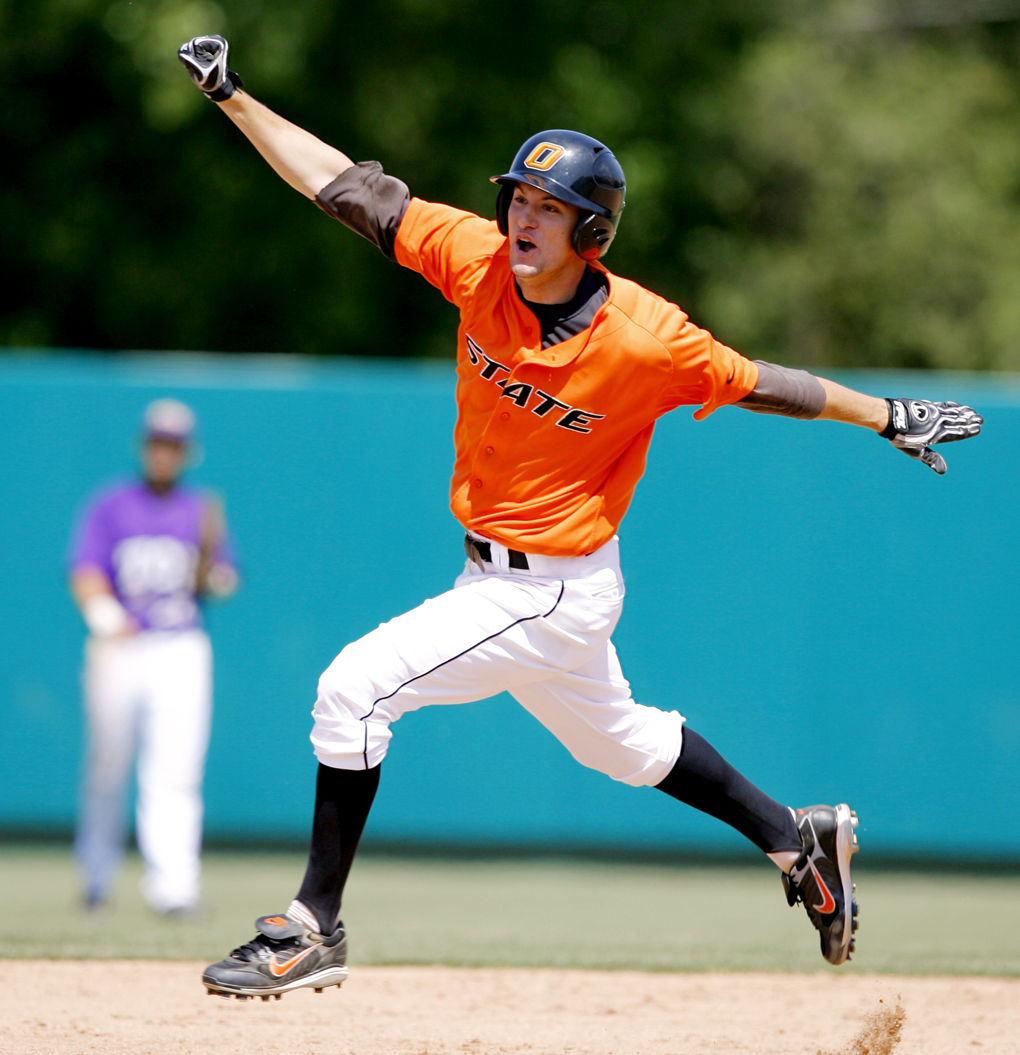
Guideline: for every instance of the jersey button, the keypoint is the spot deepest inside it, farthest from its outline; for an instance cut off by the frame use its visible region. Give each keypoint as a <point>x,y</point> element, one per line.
<point>476,482</point>
<point>490,450</point>
<point>505,416</point>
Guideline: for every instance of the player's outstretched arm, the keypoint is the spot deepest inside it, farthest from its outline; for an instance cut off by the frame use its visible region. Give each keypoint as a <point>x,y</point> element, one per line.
<point>853,408</point>
<point>299,158</point>
<point>911,425</point>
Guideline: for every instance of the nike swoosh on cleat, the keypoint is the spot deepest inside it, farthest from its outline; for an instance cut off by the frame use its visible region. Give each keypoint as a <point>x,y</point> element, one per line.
<point>278,970</point>
<point>828,901</point>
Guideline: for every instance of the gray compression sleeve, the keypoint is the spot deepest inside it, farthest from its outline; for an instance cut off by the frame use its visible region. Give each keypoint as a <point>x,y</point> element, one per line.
<point>367,201</point>
<point>780,390</point>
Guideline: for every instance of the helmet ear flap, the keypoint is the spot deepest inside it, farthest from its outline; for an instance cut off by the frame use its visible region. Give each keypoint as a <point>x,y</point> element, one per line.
<point>593,235</point>
<point>503,198</point>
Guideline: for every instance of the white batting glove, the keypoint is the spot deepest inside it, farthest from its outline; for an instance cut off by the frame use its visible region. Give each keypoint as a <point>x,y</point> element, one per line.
<point>915,424</point>
<point>205,58</point>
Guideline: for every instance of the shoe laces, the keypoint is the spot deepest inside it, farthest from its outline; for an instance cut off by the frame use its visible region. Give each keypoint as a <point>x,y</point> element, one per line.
<point>258,947</point>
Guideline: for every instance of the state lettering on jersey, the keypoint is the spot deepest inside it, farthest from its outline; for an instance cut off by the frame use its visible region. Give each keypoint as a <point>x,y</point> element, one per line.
<point>529,397</point>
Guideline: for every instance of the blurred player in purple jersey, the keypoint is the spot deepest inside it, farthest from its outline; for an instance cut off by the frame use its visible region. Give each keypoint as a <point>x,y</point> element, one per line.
<point>145,554</point>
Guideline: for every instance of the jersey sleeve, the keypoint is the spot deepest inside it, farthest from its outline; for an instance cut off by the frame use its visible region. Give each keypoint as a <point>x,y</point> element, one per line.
<point>448,247</point>
<point>729,376</point>
<point>90,542</point>
<point>705,372</point>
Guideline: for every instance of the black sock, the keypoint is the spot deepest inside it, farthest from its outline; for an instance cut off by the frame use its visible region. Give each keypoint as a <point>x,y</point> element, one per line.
<point>343,798</point>
<point>705,780</point>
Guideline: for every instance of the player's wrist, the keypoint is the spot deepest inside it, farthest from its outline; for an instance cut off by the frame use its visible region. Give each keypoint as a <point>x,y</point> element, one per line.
<point>231,82</point>
<point>105,616</point>
<point>890,428</point>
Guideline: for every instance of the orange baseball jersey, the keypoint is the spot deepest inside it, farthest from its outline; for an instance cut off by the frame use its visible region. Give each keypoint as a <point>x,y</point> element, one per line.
<point>551,442</point>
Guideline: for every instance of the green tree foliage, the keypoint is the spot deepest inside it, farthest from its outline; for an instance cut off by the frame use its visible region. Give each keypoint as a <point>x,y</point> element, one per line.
<point>869,204</point>
<point>819,183</point>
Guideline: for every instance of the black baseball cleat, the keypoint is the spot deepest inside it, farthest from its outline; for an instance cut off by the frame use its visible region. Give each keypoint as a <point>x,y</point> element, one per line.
<point>821,877</point>
<point>284,955</point>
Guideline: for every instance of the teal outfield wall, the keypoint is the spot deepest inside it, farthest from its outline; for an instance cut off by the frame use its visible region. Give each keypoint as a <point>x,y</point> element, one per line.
<point>840,622</point>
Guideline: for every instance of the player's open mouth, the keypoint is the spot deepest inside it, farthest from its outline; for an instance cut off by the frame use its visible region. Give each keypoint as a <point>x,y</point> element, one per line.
<point>525,245</point>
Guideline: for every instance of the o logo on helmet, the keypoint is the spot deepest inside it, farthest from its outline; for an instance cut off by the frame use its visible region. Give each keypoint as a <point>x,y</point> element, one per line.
<point>544,156</point>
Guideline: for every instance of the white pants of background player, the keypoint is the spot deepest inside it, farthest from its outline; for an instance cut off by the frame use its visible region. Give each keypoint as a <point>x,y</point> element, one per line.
<point>147,697</point>
<point>541,634</point>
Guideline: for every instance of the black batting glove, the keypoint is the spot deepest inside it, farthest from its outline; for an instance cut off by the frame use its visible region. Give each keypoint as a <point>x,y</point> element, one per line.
<point>915,424</point>
<point>205,58</point>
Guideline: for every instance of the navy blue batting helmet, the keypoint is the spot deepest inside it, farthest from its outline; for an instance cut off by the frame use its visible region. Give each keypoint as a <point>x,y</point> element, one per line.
<point>574,168</point>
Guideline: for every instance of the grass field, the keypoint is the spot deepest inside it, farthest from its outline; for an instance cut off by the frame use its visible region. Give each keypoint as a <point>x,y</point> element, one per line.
<point>536,912</point>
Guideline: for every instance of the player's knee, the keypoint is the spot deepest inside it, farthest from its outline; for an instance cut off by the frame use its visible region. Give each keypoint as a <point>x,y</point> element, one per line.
<point>640,754</point>
<point>349,696</point>
<point>341,695</point>
<point>350,730</point>
<point>625,767</point>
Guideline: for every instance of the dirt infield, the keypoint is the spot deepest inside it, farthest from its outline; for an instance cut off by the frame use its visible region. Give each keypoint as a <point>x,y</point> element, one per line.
<point>149,1008</point>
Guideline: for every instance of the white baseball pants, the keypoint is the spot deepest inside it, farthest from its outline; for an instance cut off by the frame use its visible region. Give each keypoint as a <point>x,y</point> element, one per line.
<point>147,696</point>
<point>542,634</point>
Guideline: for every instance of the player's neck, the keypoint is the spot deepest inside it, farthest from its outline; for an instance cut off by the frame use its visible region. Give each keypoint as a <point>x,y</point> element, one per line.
<point>557,287</point>
<point>160,487</point>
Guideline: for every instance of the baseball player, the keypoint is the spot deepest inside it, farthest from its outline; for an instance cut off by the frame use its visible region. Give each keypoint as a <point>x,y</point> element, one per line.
<point>562,370</point>
<point>144,555</point>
